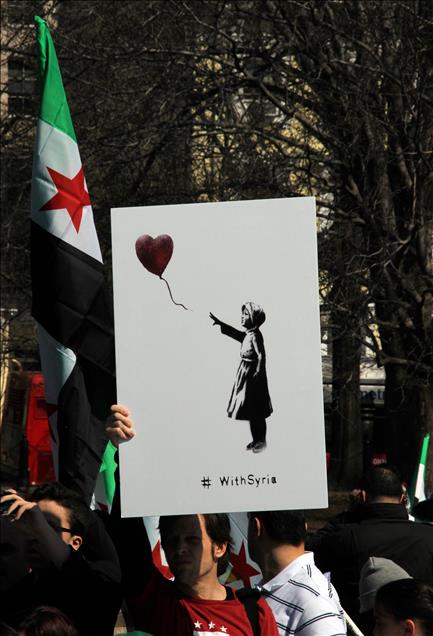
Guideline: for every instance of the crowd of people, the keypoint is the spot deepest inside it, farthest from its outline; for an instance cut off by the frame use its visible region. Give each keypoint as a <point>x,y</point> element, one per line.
<point>66,570</point>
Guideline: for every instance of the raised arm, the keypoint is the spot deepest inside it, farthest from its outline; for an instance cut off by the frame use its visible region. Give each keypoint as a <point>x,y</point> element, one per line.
<point>48,549</point>
<point>79,573</point>
<point>129,535</point>
<point>226,329</point>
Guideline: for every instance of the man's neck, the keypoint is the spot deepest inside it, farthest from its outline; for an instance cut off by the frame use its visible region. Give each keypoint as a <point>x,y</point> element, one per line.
<point>279,557</point>
<point>207,587</point>
<point>383,499</point>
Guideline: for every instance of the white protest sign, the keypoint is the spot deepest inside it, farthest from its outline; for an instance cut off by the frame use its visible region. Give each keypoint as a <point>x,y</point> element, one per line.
<point>199,393</point>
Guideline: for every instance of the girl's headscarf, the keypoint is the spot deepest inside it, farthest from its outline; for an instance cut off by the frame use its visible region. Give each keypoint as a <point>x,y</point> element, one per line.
<point>256,313</point>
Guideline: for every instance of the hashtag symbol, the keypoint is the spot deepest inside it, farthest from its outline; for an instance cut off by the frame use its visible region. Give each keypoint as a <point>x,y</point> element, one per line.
<point>206,482</point>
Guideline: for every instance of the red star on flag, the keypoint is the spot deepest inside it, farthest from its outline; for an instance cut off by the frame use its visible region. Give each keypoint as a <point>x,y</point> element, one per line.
<point>241,568</point>
<point>157,560</point>
<point>71,195</point>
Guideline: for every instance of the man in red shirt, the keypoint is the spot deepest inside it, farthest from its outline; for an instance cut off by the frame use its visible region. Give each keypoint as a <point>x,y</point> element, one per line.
<point>197,550</point>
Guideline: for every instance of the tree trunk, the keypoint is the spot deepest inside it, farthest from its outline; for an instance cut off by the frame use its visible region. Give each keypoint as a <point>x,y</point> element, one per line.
<point>347,434</point>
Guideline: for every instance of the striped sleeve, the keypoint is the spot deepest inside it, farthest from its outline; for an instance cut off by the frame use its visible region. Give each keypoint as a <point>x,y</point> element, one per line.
<point>318,619</point>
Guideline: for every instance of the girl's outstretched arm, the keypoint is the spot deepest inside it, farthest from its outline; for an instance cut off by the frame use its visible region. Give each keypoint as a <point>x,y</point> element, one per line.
<point>226,329</point>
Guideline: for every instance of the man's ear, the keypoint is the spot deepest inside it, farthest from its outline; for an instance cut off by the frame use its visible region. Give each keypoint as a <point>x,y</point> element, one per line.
<point>76,542</point>
<point>409,627</point>
<point>219,550</point>
<point>259,528</point>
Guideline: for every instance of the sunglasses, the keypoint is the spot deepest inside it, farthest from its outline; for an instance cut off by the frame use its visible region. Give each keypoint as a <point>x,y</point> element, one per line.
<point>60,529</point>
<point>55,526</point>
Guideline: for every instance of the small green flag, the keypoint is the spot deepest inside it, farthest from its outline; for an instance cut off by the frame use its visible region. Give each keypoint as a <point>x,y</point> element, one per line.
<point>419,481</point>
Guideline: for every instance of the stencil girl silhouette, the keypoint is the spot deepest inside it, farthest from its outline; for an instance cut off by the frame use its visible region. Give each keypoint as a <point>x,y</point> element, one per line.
<point>250,398</point>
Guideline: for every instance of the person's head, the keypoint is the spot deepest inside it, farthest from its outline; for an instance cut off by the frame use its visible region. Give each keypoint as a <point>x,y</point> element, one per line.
<point>382,484</point>
<point>404,608</point>
<point>64,510</point>
<point>47,621</point>
<point>196,546</point>
<point>252,316</point>
<point>273,529</point>
<point>375,573</point>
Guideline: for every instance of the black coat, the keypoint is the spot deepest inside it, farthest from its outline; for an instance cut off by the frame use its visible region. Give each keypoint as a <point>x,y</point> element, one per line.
<point>381,530</point>
<point>84,584</point>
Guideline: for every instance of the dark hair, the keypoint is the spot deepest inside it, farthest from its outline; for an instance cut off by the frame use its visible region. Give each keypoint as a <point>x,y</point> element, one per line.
<point>408,598</point>
<point>48,621</point>
<point>217,527</point>
<point>7,630</point>
<point>284,526</point>
<point>382,481</point>
<point>78,511</point>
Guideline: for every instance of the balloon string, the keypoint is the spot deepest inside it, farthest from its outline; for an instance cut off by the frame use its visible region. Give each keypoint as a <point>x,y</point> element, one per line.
<point>171,295</point>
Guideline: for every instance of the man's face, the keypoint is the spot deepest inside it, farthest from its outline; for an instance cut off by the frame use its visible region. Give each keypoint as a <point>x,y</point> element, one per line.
<point>190,552</point>
<point>59,519</point>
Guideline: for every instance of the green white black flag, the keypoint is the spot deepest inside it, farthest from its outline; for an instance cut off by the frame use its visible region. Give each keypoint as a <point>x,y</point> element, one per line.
<point>70,301</point>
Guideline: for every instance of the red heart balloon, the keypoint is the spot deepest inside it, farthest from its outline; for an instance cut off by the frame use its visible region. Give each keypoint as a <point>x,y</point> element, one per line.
<point>154,253</point>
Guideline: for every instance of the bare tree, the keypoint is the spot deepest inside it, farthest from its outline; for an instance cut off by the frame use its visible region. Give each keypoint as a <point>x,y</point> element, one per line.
<point>352,85</point>
<point>190,100</point>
